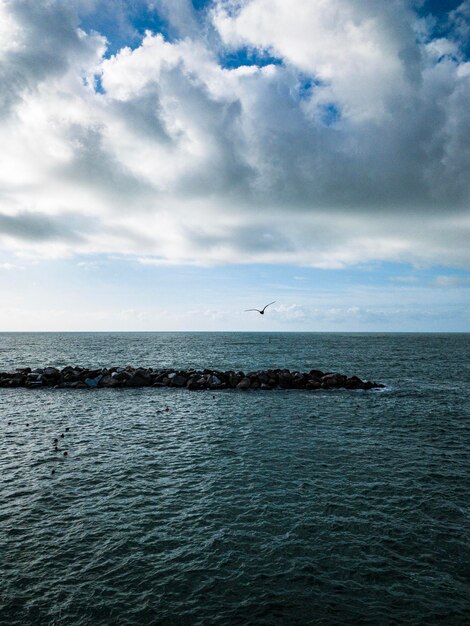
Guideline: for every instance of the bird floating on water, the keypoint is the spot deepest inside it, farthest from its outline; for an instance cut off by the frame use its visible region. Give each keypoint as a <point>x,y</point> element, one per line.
<point>261,312</point>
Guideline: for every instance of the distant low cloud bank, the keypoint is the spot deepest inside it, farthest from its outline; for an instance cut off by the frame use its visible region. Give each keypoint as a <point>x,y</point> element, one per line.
<point>305,132</point>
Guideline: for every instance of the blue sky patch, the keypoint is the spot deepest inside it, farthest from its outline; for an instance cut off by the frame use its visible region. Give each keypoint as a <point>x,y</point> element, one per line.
<point>330,114</point>
<point>305,89</point>
<point>98,84</point>
<point>200,5</point>
<point>127,28</point>
<point>307,85</point>
<point>444,25</point>
<point>438,8</point>
<point>247,56</point>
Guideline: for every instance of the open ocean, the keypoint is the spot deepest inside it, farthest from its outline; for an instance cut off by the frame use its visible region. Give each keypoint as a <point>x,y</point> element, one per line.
<point>261,507</point>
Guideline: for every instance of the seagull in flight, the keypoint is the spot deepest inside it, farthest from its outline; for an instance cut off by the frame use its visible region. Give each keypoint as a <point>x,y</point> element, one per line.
<point>262,310</point>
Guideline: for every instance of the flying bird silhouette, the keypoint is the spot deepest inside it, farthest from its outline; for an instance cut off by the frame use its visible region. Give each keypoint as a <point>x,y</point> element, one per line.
<point>262,310</point>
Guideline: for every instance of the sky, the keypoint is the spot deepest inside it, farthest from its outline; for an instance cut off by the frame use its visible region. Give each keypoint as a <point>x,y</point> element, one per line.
<point>167,164</point>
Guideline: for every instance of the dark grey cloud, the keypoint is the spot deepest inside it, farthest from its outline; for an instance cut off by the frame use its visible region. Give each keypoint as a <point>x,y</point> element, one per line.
<point>38,228</point>
<point>225,169</point>
<point>46,41</point>
<point>93,166</point>
<point>143,115</point>
<point>241,240</point>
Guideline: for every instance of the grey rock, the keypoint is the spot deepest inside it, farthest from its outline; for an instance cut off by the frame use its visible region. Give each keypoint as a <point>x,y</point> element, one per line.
<point>313,384</point>
<point>244,384</point>
<point>333,380</point>
<point>51,371</point>
<point>109,381</point>
<point>178,381</point>
<point>285,380</point>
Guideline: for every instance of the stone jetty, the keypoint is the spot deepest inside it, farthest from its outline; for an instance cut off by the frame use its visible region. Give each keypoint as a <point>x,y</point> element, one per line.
<point>192,379</point>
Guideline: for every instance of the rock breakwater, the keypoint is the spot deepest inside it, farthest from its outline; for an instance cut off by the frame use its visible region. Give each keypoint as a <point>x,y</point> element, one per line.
<point>192,379</point>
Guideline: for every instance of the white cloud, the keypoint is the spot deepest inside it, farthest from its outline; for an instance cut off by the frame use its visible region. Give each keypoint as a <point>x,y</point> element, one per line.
<point>405,279</point>
<point>289,313</point>
<point>353,47</point>
<point>452,281</point>
<point>181,160</point>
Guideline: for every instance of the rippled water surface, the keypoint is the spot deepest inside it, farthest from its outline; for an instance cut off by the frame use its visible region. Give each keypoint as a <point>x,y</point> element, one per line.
<point>281,507</point>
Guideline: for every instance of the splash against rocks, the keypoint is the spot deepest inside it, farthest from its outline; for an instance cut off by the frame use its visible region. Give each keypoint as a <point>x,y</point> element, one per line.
<point>194,380</point>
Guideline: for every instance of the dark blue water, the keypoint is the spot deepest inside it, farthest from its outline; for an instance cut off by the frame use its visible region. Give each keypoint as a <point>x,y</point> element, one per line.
<point>281,507</point>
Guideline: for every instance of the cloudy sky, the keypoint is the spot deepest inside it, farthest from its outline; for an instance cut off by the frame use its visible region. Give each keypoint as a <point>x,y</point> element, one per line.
<point>165,164</point>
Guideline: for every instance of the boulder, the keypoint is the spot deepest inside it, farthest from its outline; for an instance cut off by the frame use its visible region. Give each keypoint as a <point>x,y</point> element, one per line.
<point>51,371</point>
<point>17,380</point>
<point>285,380</point>
<point>178,380</point>
<point>92,382</point>
<point>299,380</point>
<point>313,384</point>
<point>32,377</point>
<point>70,385</point>
<point>333,380</point>
<point>215,381</point>
<point>233,379</point>
<point>193,384</point>
<point>354,383</point>
<point>138,379</point>
<point>244,384</point>
<point>121,376</point>
<point>70,375</point>
<point>109,381</point>
<point>33,384</point>
<point>85,374</point>
<point>51,376</point>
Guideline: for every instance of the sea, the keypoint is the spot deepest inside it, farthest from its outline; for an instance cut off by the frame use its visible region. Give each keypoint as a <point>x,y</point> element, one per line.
<point>259,507</point>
